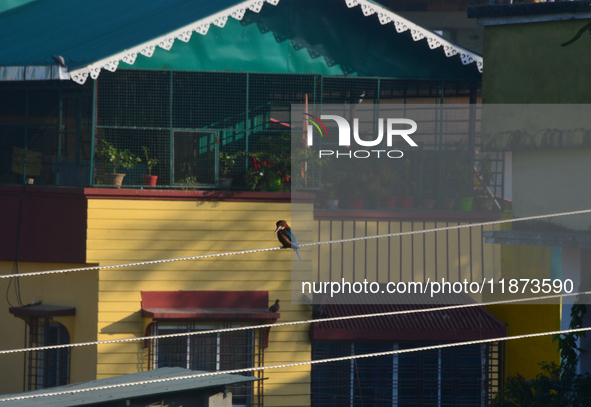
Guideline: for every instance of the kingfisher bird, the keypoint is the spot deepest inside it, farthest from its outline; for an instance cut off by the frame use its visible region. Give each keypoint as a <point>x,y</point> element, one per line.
<point>286,238</point>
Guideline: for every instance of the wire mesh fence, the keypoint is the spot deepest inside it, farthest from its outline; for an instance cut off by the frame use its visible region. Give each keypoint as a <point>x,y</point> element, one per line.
<point>219,130</point>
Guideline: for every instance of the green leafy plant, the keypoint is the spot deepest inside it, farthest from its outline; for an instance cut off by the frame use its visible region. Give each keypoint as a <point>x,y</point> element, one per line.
<point>409,184</point>
<point>227,162</point>
<point>257,178</point>
<point>485,175</point>
<point>459,158</point>
<point>150,162</point>
<point>117,157</point>
<point>382,179</point>
<point>271,165</point>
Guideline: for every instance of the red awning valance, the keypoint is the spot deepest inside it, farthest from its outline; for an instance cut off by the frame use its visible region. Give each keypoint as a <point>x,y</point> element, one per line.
<point>214,305</point>
<point>463,324</point>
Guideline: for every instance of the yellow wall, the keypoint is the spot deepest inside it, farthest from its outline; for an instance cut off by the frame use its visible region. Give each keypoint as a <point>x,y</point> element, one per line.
<point>524,355</point>
<point>433,255</point>
<point>121,231</point>
<point>73,289</point>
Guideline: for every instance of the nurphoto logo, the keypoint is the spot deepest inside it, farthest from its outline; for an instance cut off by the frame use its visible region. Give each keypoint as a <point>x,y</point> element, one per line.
<point>345,135</point>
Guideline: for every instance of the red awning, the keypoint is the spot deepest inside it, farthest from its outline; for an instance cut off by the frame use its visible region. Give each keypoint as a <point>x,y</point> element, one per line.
<point>463,324</point>
<point>216,305</point>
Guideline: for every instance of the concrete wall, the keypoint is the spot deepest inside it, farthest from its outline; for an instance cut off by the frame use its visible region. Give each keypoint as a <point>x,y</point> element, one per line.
<point>552,181</point>
<point>525,63</point>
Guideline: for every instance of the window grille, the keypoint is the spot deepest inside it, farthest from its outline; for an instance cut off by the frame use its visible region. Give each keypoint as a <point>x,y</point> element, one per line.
<point>466,376</point>
<point>47,368</point>
<point>212,352</point>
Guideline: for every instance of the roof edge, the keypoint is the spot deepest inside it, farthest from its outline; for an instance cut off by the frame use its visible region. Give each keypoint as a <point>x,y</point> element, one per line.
<point>385,16</point>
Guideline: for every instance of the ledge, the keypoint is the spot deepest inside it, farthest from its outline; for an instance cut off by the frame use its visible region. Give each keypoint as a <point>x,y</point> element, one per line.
<point>43,311</point>
<point>159,194</point>
<point>401,215</point>
<point>190,195</point>
<point>530,238</point>
<point>530,13</point>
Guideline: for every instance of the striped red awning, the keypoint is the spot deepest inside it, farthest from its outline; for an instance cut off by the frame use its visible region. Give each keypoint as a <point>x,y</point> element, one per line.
<point>463,324</point>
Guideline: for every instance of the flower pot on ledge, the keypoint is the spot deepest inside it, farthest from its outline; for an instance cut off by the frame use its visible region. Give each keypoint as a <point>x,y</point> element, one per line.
<point>150,180</point>
<point>465,203</point>
<point>484,204</point>
<point>428,204</point>
<point>447,204</point>
<point>404,202</point>
<point>356,201</point>
<point>226,182</point>
<point>388,202</point>
<point>331,204</point>
<point>114,179</point>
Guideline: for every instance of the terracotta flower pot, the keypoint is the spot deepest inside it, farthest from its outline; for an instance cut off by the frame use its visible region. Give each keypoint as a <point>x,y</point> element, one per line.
<point>150,180</point>
<point>114,179</point>
<point>404,201</point>
<point>388,202</point>
<point>356,202</point>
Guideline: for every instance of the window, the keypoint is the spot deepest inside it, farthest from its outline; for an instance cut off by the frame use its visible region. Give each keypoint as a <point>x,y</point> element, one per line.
<point>212,352</point>
<point>458,376</point>
<point>47,368</point>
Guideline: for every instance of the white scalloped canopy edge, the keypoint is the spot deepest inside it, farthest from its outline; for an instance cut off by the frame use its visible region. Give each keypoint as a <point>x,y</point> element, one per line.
<point>237,12</point>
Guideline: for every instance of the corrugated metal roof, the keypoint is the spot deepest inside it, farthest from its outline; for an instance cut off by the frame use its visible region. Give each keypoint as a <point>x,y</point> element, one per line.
<point>127,392</point>
<point>95,35</point>
<point>461,324</point>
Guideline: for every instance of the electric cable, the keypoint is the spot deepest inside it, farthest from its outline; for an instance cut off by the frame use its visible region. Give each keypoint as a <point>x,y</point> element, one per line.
<point>310,362</point>
<point>268,249</point>
<point>291,323</point>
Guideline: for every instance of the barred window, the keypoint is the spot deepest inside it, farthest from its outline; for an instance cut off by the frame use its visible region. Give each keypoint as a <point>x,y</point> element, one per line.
<point>47,368</point>
<point>212,352</point>
<point>465,376</point>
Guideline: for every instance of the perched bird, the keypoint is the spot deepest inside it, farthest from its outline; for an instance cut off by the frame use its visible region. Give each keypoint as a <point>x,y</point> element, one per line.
<point>286,238</point>
<point>58,59</point>
<point>275,307</point>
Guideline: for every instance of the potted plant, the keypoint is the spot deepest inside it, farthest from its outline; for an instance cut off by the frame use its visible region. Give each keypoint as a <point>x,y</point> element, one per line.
<point>428,199</point>
<point>449,173</point>
<point>357,183</point>
<point>226,164</point>
<point>381,183</point>
<point>329,191</point>
<point>465,176</point>
<point>150,163</point>
<point>118,158</point>
<point>484,199</point>
<point>408,186</point>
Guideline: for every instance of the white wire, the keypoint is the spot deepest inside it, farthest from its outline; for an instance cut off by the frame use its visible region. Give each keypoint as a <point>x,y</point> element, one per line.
<point>310,362</point>
<point>268,249</point>
<point>291,323</point>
